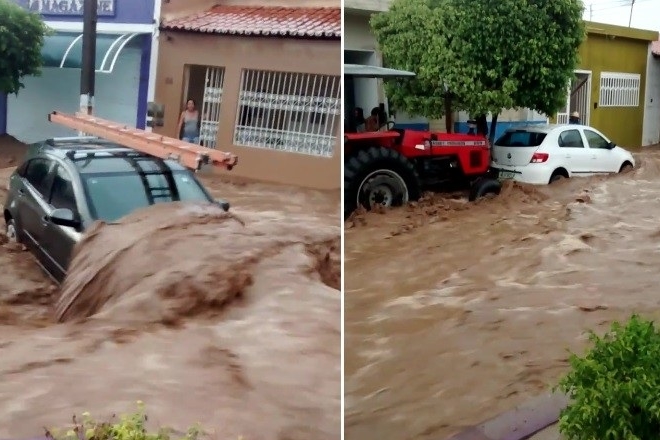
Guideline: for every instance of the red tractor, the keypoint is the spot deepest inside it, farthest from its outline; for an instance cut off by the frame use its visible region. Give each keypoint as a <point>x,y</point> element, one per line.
<point>393,167</point>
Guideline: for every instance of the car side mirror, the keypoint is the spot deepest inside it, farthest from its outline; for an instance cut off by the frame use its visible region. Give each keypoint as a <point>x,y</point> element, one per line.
<point>64,217</point>
<point>223,204</point>
<point>611,146</point>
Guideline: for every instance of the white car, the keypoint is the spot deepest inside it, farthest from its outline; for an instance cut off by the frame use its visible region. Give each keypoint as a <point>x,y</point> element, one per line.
<point>544,153</point>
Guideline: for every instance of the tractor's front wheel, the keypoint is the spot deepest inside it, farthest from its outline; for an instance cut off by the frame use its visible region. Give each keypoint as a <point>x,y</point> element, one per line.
<point>378,176</point>
<point>484,186</point>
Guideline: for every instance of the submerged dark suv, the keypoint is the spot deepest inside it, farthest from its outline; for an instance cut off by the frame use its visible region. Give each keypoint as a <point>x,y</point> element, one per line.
<point>66,184</point>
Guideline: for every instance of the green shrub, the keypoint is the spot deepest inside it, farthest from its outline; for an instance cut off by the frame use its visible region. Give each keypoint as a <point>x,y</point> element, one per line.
<point>614,389</point>
<point>127,427</point>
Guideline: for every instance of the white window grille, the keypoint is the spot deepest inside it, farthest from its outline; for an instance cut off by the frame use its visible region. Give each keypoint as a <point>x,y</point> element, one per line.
<point>210,113</point>
<point>288,111</point>
<point>619,89</point>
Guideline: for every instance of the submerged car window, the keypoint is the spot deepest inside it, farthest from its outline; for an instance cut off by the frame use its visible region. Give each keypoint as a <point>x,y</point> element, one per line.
<point>520,138</point>
<point>112,196</point>
<point>37,175</point>
<point>61,194</point>
<point>595,140</point>
<point>571,139</point>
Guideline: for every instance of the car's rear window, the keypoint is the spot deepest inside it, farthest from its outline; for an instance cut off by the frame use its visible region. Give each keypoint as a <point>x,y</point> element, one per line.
<point>520,138</point>
<point>112,196</point>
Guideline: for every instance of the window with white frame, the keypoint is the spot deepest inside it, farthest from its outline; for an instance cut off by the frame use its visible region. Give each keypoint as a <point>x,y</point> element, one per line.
<point>619,89</point>
<point>288,111</point>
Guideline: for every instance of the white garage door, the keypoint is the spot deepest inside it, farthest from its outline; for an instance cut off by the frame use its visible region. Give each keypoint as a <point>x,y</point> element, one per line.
<point>59,89</point>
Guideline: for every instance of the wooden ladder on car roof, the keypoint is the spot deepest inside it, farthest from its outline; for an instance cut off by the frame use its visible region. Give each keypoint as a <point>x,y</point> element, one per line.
<point>188,155</point>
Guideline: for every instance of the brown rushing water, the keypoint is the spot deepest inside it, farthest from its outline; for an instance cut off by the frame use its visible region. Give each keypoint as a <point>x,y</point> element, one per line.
<point>205,320</point>
<point>455,312</point>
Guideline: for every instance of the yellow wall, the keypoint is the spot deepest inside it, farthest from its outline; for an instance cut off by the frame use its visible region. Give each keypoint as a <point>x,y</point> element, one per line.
<point>600,53</point>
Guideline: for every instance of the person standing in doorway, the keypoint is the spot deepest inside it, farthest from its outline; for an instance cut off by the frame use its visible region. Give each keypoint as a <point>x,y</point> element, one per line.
<point>189,121</point>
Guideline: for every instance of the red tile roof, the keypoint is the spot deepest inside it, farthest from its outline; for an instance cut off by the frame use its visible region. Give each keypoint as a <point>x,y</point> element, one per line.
<point>262,21</point>
<point>655,48</point>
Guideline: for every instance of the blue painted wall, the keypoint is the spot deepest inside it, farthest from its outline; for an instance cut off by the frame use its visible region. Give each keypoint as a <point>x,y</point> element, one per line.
<point>3,113</point>
<point>109,11</point>
<point>462,127</point>
<point>413,126</point>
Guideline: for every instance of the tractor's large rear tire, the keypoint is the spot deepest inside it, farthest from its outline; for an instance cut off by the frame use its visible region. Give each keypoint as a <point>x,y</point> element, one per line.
<point>378,175</point>
<point>484,186</point>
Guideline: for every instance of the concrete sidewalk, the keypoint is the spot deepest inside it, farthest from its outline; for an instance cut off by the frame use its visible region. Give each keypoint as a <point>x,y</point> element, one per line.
<point>534,419</point>
<point>549,433</point>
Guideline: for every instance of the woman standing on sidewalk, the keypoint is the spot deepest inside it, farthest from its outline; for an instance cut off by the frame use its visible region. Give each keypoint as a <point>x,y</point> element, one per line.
<point>189,123</point>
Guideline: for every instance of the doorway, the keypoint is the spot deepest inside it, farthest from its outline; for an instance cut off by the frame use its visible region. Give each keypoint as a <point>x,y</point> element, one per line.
<point>578,98</point>
<point>204,85</point>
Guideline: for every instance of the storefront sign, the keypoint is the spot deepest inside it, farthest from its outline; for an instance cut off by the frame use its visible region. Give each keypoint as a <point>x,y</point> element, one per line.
<point>106,8</point>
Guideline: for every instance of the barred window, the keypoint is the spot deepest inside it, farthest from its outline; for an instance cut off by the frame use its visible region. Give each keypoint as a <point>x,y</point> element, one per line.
<point>288,111</point>
<point>619,89</point>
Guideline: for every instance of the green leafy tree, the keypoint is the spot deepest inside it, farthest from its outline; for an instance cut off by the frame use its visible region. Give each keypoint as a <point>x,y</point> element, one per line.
<point>614,387</point>
<point>21,40</point>
<point>480,56</point>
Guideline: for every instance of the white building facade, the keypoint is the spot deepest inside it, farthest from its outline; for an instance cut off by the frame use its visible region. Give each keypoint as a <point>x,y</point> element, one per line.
<point>126,54</point>
<point>651,130</point>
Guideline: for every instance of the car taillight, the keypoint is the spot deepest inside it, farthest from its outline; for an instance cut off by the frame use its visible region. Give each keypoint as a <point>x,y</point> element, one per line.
<point>539,157</point>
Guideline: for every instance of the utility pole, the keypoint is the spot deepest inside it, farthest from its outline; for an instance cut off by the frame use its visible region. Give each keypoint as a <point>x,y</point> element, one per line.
<point>591,12</point>
<point>88,71</point>
<point>632,4</point>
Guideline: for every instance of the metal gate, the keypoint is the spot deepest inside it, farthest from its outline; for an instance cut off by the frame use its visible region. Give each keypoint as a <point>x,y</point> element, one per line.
<point>578,98</point>
<point>581,96</point>
<point>210,114</point>
<point>562,116</point>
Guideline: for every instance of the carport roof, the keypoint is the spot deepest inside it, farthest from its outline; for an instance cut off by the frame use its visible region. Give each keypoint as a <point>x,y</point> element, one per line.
<point>362,71</point>
<point>265,21</point>
<point>64,49</point>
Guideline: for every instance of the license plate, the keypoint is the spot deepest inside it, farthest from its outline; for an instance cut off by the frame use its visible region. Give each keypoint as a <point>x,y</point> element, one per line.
<point>504,175</point>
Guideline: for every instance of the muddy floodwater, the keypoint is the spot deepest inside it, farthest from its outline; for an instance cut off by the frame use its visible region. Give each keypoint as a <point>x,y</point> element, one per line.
<point>229,320</point>
<point>455,312</point>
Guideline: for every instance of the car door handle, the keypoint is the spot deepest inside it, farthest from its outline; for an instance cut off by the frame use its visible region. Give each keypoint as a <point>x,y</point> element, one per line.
<point>594,157</point>
<point>45,220</point>
<point>568,156</point>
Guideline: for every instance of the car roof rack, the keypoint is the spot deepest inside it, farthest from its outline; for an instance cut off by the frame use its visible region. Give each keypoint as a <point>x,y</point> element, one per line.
<point>65,139</point>
<point>109,153</point>
<point>188,155</point>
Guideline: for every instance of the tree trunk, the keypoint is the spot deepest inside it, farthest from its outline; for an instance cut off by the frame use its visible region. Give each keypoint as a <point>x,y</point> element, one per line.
<point>482,125</point>
<point>493,126</point>
<point>449,120</point>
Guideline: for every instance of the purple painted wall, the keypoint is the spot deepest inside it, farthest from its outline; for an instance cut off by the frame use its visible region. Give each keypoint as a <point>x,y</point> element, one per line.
<point>109,11</point>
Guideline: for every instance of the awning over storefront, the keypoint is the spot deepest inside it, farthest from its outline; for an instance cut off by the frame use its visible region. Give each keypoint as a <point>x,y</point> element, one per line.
<point>64,50</point>
<point>362,71</point>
